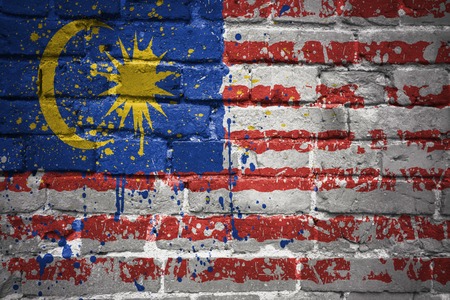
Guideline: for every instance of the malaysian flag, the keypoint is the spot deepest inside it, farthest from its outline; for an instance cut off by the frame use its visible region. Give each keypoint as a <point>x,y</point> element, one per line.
<point>223,146</point>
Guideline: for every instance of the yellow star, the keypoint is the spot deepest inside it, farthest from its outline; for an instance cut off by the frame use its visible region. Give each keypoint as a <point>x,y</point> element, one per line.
<point>136,87</point>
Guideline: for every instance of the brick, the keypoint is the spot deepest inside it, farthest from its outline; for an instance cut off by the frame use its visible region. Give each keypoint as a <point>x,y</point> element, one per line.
<point>282,119</point>
<point>9,283</point>
<point>19,193</point>
<point>26,8</point>
<point>282,87</point>
<point>96,193</point>
<point>67,9</point>
<point>301,295</point>
<point>363,121</point>
<point>210,9</point>
<point>366,275</point>
<point>251,195</point>
<point>440,274</point>
<point>197,82</point>
<point>197,157</point>
<point>445,202</point>
<point>351,87</point>
<point>248,274</point>
<point>128,158</point>
<point>397,158</point>
<point>15,122</point>
<point>48,153</point>
<point>358,156</point>
<point>426,87</point>
<point>397,47</point>
<point>323,12</point>
<point>85,275</point>
<point>256,10</point>
<point>402,200</point>
<point>17,74</point>
<point>374,296</point>
<point>229,297</point>
<point>168,10</point>
<point>11,154</point>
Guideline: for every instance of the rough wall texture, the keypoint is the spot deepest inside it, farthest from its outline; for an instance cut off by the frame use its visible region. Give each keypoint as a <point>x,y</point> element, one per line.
<point>240,150</point>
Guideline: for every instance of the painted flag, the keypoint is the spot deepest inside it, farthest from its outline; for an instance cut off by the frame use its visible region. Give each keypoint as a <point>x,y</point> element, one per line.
<point>196,127</point>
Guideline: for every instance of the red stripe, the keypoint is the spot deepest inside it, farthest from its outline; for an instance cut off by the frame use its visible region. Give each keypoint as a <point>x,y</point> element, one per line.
<point>317,52</point>
<point>58,269</point>
<point>252,52</point>
<point>322,271</point>
<point>440,100</point>
<point>332,96</point>
<point>16,182</point>
<point>443,56</point>
<point>223,228</point>
<point>236,9</point>
<point>293,134</point>
<point>260,269</point>
<point>242,183</point>
<point>325,9</point>
<point>138,269</point>
<point>327,97</point>
<point>261,95</point>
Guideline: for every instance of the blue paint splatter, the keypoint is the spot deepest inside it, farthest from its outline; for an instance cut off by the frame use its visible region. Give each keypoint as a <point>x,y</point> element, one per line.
<point>144,194</point>
<point>284,9</point>
<point>120,197</point>
<point>77,225</point>
<point>210,269</point>
<point>67,252</point>
<point>284,243</point>
<point>244,158</point>
<point>139,287</point>
<point>93,259</point>
<point>221,202</point>
<point>252,167</point>
<point>238,36</point>
<point>43,262</point>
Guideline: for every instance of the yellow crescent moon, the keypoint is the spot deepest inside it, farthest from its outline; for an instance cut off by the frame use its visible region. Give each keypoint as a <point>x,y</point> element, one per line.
<point>46,84</point>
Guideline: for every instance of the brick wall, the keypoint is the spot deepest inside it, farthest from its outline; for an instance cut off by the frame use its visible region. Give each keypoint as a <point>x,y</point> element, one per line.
<point>238,150</point>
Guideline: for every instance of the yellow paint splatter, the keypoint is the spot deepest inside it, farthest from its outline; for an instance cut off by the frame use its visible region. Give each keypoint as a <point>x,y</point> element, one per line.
<point>93,132</point>
<point>132,8</point>
<point>196,86</point>
<point>283,125</point>
<point>132,157</point>
<point>44,127</point>
<point>179,135</point>
<point>250,127</point>
<point>19,121</point>
<point>77,86</point>
<point>94,7</point>
<point>90,120</point>
<point>169,131</point>
<point>159,2</point>
<point>108,151</point>
<point>83,157</point>
<point>268,112</point>
<point>34,37</point>
<point>33,126</point>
